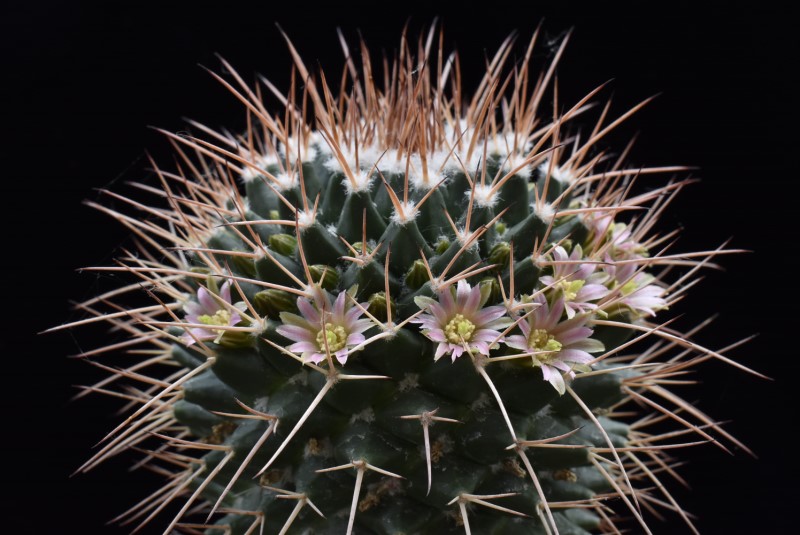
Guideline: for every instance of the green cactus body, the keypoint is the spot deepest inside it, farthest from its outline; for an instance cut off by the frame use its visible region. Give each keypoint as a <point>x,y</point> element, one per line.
<point>417,314</point>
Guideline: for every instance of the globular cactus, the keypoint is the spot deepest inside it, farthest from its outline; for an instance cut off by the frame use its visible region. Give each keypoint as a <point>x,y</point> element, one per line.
<point>392,308</point>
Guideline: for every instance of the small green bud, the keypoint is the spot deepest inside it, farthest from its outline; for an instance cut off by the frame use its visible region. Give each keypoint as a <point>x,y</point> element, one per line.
<point>244,265</point>
<point>285,244</point>
<point>273,302</point>
<point>362,248</point>
<point>442,245</point>
<point>377,306</point>
<point>500,254</point>
<point>490,291</point>
<point>274,214</point>
<point>417,275</point>
<point>326,276</point>
<point>237,339</point>
<point>500,227</point>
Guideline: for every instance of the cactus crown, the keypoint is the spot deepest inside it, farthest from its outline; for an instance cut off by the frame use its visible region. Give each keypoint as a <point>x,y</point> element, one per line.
<point>394,309</point>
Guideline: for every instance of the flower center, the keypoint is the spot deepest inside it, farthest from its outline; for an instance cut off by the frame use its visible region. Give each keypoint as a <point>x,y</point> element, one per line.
<point>459,328</point>
<point>571,288</point>
<point>335,335</point>
<point>220,317</point>
<point>541,340</point>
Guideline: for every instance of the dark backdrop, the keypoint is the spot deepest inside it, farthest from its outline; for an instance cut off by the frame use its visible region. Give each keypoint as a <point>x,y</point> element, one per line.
<point>82,82</point>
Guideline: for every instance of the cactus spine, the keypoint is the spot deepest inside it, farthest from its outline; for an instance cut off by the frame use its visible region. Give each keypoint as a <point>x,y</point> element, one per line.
<point>401,310</point>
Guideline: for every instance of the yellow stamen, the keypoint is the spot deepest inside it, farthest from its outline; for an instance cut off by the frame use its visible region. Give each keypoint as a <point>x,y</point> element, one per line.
<point>459,328</point>
<point>541,340</point>
<point>335,335</point>
<point>220,317</point>
<point>571,288</point>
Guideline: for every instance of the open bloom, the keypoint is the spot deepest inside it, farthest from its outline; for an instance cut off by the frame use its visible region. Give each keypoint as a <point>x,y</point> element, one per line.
<point>636,290</point>
<point>555,346</point>
<point>211,311</point>
<point>616,239</point>
<point>459,322</point>
<point>578,283</point>
<point>323,328</point>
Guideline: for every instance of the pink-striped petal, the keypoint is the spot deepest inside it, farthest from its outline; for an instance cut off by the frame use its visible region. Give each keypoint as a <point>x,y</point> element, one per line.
<point>309,312</point>
<point>517,342</point>
<point>225,292</point>
<point>575,355</point>
<point>296,333</point>
<point>354,339</point>
<point>489,314</point>
<point>208,303</point>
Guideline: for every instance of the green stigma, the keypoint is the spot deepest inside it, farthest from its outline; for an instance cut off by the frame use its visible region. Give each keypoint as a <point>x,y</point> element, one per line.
<point>459,328</point>
<point>541,340</point>
<point>334,335</point>
<point>571,288</point>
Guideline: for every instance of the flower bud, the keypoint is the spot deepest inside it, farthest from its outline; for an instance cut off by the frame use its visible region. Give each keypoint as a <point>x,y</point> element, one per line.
<point>417,275</point>
<point>284,244</point>
<point>326,276</point>
<point>500,254</point>
<point>272,302</point>
<point>377,306</point>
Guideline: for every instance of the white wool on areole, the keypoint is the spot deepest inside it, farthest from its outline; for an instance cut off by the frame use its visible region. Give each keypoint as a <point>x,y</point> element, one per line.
<point>258,163</point>
<point>563,175</point>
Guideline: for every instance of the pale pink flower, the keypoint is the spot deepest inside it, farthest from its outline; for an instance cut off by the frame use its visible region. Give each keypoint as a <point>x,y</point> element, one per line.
<point>616,238</point>
<point>208,310</point>
<point>459,322</point>
<point>323,328</point>
<point>636,290</point>
<point>577,283</point>
<point>557,347</point>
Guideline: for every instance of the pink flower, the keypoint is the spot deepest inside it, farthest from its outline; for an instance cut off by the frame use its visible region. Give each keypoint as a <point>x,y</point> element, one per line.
<point>459,323</point>
<point>615,238</point>
<point>323,329</point>
<point>208,310</point>
<point>577,283</point>
<point>636,290</point>
<point>555,346</point>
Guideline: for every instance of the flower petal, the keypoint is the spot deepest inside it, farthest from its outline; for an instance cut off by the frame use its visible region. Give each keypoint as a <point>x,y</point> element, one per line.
<point>482,347</point>
<point>589,344</point>
<point>472,302</point>
<point>309,312</point>
<point>206,301</point>
<point>486,335</point>
<point>437,335</point>
<point>354,339</point>
<point>574,355</point>
<point>341,355</point>
<point>517,342</point>
<point>293,319</point>
<point>303,347</point>
<point>556,380</point>
<point>225,292</point>
<point>338,308</point>
<point>296,333</point>
<point>441,350</point>
<point>488,314</point>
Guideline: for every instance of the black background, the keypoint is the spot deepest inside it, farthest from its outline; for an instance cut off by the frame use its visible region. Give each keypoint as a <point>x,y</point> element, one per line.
<point>82,82</point>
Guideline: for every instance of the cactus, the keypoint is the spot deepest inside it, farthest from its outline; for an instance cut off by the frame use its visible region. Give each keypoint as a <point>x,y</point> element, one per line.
<point>401,310</point>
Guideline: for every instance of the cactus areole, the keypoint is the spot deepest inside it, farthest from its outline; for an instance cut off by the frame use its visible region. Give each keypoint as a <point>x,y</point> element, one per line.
<point>391,306</point>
